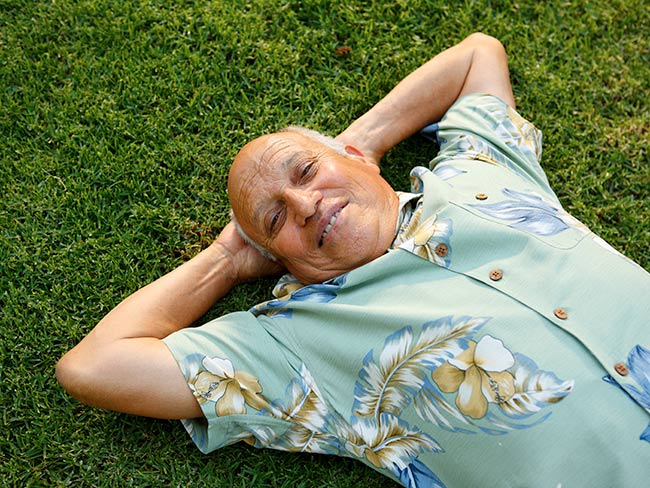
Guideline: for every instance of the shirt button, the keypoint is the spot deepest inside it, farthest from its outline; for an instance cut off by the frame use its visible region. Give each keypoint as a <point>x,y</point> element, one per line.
<point>560,313</point>
<point>621,369</point>
<point>441,250</point>
<point>481,196</point>
<point>496,274</point>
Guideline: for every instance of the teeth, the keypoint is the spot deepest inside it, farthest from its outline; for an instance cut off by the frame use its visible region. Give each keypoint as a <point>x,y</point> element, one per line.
<point>329,225</point>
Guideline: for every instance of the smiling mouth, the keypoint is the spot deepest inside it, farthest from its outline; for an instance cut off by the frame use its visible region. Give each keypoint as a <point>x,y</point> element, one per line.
<point>328,227</point>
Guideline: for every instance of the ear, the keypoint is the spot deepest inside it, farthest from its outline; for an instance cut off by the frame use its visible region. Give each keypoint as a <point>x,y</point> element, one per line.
<point>356,153</point>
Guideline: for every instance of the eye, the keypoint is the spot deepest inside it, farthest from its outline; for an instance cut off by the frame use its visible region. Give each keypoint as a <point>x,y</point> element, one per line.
<point>276,222</point>
<point>308,171</point>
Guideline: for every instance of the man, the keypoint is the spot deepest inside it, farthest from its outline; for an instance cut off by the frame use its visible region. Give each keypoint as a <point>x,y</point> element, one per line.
<point>469,334</point>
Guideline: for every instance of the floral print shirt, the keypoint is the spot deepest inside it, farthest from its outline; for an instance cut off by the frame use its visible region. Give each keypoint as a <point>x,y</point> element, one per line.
<point>499,342</point>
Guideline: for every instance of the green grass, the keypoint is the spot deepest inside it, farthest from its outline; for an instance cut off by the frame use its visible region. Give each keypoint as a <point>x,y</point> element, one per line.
<point>118,122</point>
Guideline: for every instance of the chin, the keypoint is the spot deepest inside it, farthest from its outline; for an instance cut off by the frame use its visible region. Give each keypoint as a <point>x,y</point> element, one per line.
<point>318,277</point>
<point>311,279</point>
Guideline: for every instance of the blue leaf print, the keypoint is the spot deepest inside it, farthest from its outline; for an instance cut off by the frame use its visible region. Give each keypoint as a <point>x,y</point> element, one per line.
<point>446,171</point>
<point>418,475</point>
<point>273,308</point>
<point>529,212</point>
<point>503,425</point>
<point>610,380</point>
<point>315,293</point>
<point>191,364</point>
<point>638,364</point>
<point>319,293</point>
<point>645,435</point>
<point>430,132</point>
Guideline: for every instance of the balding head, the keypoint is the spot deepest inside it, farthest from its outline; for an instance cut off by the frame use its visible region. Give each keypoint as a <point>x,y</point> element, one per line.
<point>322,209</point>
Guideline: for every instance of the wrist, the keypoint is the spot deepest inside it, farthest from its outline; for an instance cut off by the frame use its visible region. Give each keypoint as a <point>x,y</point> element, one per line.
<point>224,262</point>
<point>370,133</point>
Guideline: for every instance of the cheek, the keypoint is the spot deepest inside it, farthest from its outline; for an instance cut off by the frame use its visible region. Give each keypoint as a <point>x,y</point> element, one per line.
<point>287,245</point>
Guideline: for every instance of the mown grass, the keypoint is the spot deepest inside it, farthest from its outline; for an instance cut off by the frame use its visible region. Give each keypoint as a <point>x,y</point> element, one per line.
<point>118,121</point>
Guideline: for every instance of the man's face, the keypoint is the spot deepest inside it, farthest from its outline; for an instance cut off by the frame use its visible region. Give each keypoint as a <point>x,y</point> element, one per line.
<point>320,213</point>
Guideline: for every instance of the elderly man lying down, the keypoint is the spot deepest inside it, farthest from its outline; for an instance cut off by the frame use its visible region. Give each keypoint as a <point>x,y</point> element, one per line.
<point>469,332</point>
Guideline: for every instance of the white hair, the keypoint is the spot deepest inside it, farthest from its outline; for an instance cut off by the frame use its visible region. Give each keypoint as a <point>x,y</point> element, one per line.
<point>262,250</point>
<point>337,146</point>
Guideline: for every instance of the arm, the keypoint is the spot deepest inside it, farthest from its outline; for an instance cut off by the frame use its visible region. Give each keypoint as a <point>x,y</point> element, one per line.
<point>478,64</point>
<point>123,365</point>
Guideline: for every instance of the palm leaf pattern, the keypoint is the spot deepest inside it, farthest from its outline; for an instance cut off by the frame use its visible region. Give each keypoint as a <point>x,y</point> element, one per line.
<point>389,384</point>
<point>534,389</point>
<point>397,376</point>
<point>390,442</point>
<point>431,405</point>
<point>304,407</point>
<point>302,403</point>
<point>400,375</point>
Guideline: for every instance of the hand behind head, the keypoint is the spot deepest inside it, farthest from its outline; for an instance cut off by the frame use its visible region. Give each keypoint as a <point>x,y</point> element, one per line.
<point>248,263</point>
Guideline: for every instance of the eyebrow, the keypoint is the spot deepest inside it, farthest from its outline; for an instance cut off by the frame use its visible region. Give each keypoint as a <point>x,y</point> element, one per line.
<point>286,163</point>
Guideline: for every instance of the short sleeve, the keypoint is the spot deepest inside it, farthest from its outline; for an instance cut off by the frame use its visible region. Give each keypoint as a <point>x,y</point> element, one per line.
<point>485,128</point>
<point>235,369</point>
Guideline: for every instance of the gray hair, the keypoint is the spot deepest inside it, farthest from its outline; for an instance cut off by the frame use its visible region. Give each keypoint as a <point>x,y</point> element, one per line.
<point>337,146</point>
<point>262,250</point>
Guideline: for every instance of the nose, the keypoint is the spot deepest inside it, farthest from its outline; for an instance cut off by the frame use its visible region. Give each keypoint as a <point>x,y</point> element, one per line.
<point>304,203</point>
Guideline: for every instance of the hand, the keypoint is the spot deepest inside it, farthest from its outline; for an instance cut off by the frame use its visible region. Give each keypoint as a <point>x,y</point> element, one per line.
<point>247,263</point>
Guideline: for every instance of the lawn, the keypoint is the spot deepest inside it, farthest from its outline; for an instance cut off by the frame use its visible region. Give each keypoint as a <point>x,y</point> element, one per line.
<point>118,123</point>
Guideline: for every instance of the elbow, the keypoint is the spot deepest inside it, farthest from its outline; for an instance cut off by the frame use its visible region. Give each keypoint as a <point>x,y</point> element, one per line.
<point>481,38</point>
<point>65,373</point>
<point>72,374</point>
<point>484,41</point>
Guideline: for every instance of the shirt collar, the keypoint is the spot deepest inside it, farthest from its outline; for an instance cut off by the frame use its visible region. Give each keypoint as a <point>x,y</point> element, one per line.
<point>407,204</point>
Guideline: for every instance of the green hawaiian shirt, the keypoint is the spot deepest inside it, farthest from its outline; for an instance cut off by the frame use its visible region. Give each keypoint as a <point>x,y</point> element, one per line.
<point>499,342</point>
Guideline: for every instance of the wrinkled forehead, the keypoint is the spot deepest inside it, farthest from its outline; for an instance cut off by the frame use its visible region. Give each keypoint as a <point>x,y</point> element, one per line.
<point>262,158</point>
<point>263,161</point>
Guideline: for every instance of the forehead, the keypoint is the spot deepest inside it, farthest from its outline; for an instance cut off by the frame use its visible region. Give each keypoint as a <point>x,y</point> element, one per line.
<point>273,152</point>
<point>263,164</point>
<point>278,151</point>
